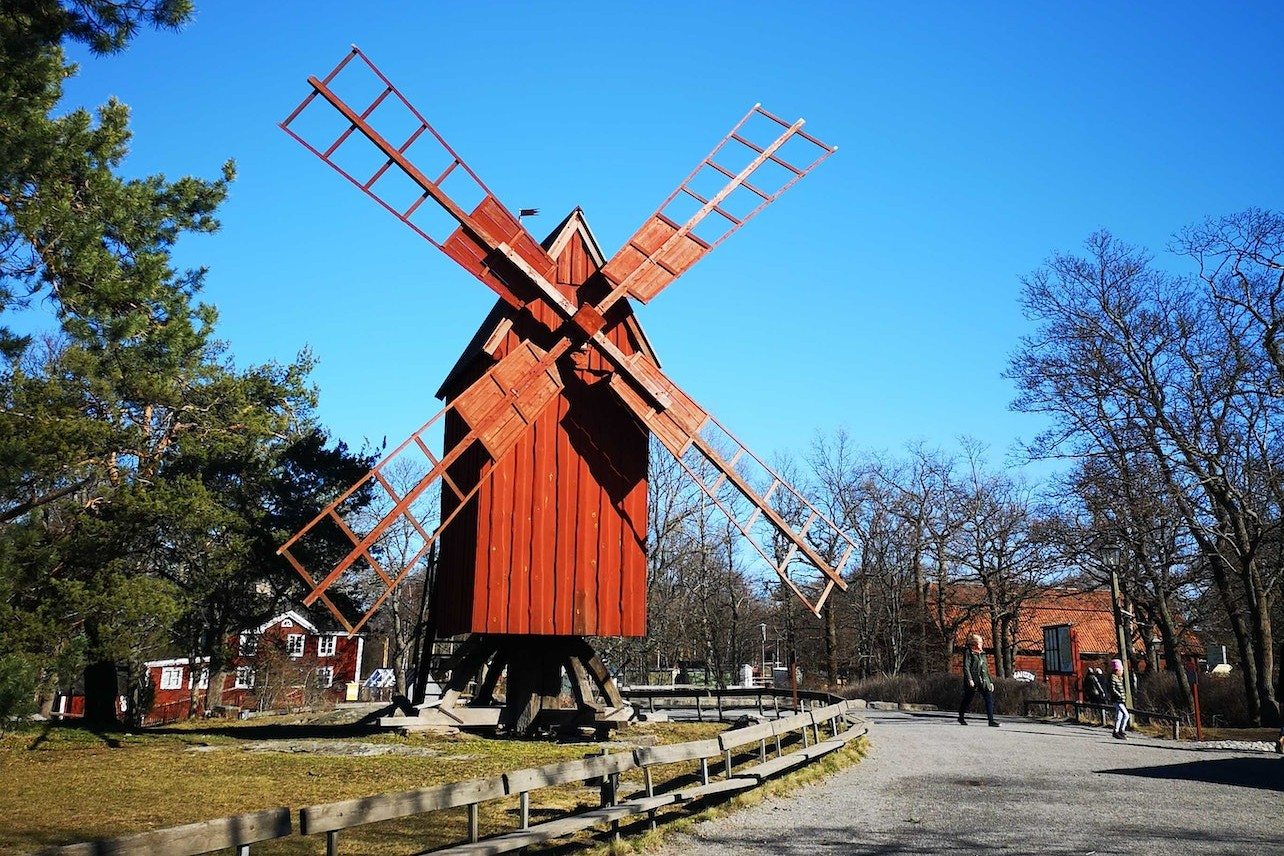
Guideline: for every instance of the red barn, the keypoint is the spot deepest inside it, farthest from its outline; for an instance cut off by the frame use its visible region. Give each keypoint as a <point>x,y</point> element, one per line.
<point>1088,614</point>
<point>554,542</point>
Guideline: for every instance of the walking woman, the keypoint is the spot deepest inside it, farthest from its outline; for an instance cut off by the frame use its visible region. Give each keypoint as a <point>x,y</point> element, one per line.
<point>1119,697</point>
<point>976,679</point>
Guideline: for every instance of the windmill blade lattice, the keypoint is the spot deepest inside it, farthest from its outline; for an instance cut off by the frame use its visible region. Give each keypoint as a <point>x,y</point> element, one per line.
<point>497,408</point>
<point>783,527</point>
<point>391,153</point>
<point>676,236</point>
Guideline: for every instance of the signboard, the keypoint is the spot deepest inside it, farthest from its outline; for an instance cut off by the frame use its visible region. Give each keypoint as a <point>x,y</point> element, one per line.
<point>1058,652</point>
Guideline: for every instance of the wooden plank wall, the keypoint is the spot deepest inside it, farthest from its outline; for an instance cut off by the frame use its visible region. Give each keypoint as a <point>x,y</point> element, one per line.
<point>555,543</point>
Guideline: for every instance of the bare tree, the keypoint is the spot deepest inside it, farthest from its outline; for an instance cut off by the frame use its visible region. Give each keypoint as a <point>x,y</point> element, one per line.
<point>1125,502</point>
<point>1241,258</point>
<point>403,612</point>
<point>1130,361</point>
<point>995,545</point>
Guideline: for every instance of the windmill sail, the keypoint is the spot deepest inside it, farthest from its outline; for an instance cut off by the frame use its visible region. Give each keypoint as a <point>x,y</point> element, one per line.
<point>385,148</point>
<point>783,527</point>
<point>734,182</point>
<point>497,408</point>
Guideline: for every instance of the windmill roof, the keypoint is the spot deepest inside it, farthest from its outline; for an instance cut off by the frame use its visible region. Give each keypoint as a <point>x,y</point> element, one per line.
<point>563,230</point>
<point>572,224</point>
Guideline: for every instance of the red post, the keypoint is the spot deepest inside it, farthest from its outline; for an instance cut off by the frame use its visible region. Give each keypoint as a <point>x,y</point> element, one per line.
<point>1199,725</point>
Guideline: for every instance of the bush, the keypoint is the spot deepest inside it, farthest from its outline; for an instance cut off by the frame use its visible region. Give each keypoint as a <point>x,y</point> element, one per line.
<point>944,691</point>
<point>1221,700</point>
<point>1158,692</point>
<point>17,690</point>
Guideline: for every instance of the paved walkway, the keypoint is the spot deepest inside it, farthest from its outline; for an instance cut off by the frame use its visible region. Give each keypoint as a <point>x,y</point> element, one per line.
<point>931,786</point>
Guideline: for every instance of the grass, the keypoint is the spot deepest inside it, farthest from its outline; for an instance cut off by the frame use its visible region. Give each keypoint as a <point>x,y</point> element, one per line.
<point>64,785</point>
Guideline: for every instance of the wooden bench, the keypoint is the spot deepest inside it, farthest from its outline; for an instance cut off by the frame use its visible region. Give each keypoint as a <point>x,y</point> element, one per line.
<point>238,831</point>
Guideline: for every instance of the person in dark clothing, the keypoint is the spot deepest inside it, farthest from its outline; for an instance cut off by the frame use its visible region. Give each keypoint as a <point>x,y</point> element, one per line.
<point>976,679</point>
<point>1093,691</point>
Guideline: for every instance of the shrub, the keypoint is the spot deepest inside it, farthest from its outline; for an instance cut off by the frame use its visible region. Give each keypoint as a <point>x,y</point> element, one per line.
<point>1221,699</point>
<point>17,690</point>
<point>1158,692</point>
<point>944,691</point>
<point>1222,702</point>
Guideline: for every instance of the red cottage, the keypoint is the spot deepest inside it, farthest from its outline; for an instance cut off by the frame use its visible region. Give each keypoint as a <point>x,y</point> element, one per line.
<point>286,662</point>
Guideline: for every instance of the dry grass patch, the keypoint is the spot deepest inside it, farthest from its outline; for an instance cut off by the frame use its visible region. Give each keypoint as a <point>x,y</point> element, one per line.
<point>63,785</point>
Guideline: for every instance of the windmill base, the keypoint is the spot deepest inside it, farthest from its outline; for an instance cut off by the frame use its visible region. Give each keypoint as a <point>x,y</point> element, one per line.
<point>532,698</point>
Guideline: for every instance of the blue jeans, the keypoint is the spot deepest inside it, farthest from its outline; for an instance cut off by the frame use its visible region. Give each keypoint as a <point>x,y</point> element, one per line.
<point>969,692</point>
<point>1121,717</point>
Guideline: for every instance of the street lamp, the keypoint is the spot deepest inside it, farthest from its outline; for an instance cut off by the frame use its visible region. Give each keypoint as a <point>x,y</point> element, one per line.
<point>1111,557</point>
<point>762,662</point>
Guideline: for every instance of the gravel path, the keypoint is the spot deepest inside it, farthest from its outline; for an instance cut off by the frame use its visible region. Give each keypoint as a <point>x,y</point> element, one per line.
<point>931,786</point>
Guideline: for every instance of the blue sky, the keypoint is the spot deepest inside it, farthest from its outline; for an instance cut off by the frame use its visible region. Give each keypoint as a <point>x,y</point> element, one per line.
<point>879,295</point>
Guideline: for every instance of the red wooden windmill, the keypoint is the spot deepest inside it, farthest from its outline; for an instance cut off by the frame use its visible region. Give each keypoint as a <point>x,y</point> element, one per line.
<point>540,529</point>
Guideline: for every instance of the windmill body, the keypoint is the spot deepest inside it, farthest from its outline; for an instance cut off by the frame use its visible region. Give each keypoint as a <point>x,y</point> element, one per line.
<point>554,542</point>
<point>539,533</point>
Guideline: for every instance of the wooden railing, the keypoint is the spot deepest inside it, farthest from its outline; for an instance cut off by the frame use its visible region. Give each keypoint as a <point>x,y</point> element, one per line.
<point>225,833</point>
<point>1104,711</point>
<point>800,732</point>
<point>716,701</point>
<point>738,759</point>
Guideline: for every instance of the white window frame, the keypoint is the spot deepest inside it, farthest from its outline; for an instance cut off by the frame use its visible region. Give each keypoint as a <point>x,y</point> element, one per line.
<point>244,678</point>
<point>202,680</point>
<point>326,646</point>
<point>171,677</point>
<point>325,676</point>
<point>296,649</point>
<point>249,644</point>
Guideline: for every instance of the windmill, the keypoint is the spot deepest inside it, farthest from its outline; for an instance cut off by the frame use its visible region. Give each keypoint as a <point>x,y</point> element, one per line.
<point>534,511</point>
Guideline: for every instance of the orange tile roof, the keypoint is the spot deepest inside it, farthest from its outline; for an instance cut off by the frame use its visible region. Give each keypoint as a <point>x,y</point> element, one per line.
<point>1088,612</point>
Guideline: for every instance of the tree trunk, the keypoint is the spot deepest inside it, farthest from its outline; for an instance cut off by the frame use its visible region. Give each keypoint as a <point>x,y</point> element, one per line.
<point>1279,683</point>
<point>46,692</point>
<point>831,643</point>
<point>102,691</point>
<point>1243,642</point>
<point>1168,635</point>
<point>214,695</point>
<point>1265,649</point>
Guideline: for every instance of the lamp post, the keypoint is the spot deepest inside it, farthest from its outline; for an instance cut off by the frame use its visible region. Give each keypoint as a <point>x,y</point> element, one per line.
<point>1111,556</point>
<point>762,662</point>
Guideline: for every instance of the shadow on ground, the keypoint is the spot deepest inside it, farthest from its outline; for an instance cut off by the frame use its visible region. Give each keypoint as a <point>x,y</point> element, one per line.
<point>298,731</point>
<point>1266,773</point>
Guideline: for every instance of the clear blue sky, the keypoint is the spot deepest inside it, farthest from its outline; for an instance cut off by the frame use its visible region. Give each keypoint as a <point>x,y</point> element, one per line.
<point>880,294</point>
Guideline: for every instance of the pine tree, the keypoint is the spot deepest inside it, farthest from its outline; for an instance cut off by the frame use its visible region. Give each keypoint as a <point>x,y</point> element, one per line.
<point>144,479</point>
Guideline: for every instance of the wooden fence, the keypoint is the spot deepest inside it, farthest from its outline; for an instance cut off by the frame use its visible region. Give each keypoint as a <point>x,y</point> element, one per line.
<point>800,732</point>
<point>1101,711</point>
<point>738,759</point>
<point>227,832</point>
<point>716,701</point>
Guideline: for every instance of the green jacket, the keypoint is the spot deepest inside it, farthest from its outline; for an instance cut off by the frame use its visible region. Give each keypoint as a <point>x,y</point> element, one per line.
<point>976,668</point>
